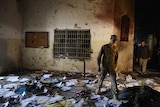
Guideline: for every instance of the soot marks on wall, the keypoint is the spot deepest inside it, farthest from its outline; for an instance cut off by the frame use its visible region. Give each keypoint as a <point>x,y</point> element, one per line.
<point>98,15</point>
<point>19,7</point>
<point>122,46</point>
<point>106,11</point>
<point>90,1</point>
<point>125,25</point>
<point>71,5</point>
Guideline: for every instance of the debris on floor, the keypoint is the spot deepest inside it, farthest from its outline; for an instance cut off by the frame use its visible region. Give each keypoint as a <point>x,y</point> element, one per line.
<point>47,89</point>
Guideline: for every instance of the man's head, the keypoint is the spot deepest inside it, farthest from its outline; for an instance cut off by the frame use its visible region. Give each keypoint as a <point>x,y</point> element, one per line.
<point>113,38</point>
<point>143,43</point>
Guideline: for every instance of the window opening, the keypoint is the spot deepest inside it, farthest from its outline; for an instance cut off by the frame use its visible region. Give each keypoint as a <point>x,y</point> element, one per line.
<point>74,44</point>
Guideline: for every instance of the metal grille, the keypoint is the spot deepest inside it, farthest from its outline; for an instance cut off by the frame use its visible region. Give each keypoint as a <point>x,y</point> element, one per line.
<point>74,44</point>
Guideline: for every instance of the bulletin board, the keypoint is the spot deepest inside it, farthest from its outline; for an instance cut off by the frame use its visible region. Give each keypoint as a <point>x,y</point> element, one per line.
<point>37,39</point>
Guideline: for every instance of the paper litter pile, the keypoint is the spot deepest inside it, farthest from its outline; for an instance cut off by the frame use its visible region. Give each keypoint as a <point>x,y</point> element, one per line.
<point>49,90</point>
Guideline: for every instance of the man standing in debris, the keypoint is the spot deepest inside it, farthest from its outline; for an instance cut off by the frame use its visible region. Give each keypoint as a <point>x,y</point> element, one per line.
<point>108,56</point>
<point>143,56</point>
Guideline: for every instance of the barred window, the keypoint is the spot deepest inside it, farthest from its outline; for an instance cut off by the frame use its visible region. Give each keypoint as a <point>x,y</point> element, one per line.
<point>74,44</point>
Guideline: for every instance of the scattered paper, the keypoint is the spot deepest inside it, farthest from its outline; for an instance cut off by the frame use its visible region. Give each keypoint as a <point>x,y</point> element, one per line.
<point>1,78</point>
<point>41,99</point>
<point>132,84</point>
<point>8,94</point>
<point>157,88</point>
<point>102,102</point>
<point>129,78</point>
<point>80,103</point>
<point>63,103</point>
<point>47,76</point>
<point>59,85</point>
<point>4,104</point>
<point>54,99</point>
<point>24,80</point>
<point>12,78</point>
<point>84,81</point>
<point>71,82</point>
<point>94,96</point>
<point>149,82</point>
<point>54,80</point>
<point>91,86</point>
<point>2,91</point>
<point>103,89</point>
<point>65,88</point>
<point>27,101</point>
<point>10,86</point>
<point>72,100</point>
<point>107,83</point>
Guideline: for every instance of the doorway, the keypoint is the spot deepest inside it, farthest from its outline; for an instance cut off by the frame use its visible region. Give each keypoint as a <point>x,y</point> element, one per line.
<point>153,42</point>
<point>147,26</point>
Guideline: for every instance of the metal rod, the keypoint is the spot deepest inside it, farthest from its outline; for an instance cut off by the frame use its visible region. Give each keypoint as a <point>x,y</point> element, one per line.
<point>84,68</point>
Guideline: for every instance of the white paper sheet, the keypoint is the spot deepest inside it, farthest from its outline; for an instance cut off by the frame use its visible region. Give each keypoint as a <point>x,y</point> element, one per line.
<point>54,99</point>
<point>71,82</point>
<point>102,102</point>
<point>8,94</point>
<point>80,103</point>
<point>10,86</point>
<point>84,81</point>
<point>47,76</point>
<point>94,96</point>
<point>1,78</point>
<point>41,99</point>
<point>59,85</point>
<point>12,78</point>
<point>72,100</point>
<point>24,80</point>
<point>27,101</point>
<point>65,88</point>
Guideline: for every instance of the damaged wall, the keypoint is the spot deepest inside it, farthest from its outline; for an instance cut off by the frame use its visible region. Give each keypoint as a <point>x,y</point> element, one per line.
<point>48,15</point>
<point>10,35</point>
<point>125,7</point>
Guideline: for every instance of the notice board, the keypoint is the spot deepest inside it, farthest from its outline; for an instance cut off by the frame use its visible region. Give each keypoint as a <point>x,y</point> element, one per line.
<point>37,39</point>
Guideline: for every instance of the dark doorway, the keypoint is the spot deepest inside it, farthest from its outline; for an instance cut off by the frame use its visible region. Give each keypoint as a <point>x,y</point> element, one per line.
<point>147,25</point>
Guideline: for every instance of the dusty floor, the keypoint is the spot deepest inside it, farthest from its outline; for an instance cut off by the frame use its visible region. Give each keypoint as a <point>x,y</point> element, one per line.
<point>52,89</point>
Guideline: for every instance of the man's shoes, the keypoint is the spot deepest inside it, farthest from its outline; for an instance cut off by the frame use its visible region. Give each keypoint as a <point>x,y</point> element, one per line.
<point>145,73</point>
<point>117,102</point>
<point>97,91</point>
<point>142,73</point>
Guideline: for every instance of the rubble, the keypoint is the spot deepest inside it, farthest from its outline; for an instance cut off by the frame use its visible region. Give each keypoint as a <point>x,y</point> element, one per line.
<point>51,90</point>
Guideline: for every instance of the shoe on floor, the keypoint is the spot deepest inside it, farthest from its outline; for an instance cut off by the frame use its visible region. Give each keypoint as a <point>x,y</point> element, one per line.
<point>117,102</point>
<point>97,91</point>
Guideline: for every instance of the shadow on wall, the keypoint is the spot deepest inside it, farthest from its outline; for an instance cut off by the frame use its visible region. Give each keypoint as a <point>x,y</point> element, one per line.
<point>6,64</point>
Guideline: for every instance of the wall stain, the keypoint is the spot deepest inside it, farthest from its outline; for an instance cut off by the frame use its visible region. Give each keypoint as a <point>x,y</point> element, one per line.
<point>71,5</point>
<point>106,11</point>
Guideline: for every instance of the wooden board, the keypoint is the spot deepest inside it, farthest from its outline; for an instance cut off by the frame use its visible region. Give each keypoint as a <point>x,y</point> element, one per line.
<point>37,39</point>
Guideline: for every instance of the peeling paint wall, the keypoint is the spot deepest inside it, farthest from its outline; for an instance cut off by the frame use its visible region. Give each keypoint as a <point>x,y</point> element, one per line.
<point>10,35</point>
<point>47,15</point>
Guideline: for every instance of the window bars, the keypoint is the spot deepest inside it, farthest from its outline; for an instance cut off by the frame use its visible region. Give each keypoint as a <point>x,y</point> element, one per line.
<point>74,44</point>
